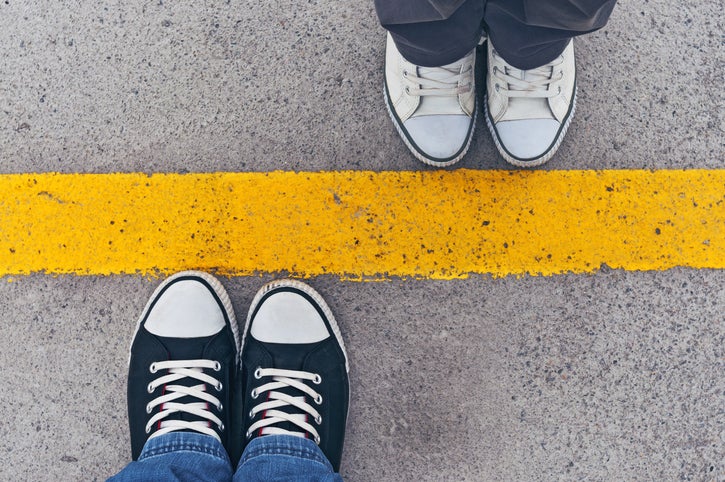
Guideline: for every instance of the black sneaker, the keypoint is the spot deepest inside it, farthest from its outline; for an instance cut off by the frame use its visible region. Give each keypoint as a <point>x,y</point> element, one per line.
<point>184,361</point>
<point>294,368</point>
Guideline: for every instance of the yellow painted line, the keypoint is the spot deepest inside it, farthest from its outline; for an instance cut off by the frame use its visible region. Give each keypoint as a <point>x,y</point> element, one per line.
<point>363,225</point>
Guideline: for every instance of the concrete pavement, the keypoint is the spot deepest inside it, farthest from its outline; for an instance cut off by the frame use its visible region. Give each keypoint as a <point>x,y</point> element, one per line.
<point>612,376</point>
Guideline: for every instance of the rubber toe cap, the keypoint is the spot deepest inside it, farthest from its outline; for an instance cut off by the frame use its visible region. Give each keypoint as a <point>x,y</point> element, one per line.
<point>439,136</point>
<point>528,138</point>
<point>288,317</point>
<point>185,309</point>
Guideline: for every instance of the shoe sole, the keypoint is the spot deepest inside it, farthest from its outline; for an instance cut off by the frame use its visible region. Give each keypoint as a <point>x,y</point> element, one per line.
<point>420,155</point>
<point>308,290</point>
<point>548,154</point>
<point>212,283</point>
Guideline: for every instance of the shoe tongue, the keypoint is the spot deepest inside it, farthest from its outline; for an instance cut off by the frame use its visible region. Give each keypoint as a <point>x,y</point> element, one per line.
<point>291,357</point>
<point>434,104</point>
<point>183,350</point>
<point>435,73</point>
<point>527,107</point>
<point>295,413</point>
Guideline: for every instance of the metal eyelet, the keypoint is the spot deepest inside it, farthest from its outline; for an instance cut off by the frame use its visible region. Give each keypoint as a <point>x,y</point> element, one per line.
<point>497,87</point>
<point>148,429</point>
<point>317,439</point>
<point>221,427</point>
<point>495,69</point>
<point>248,434</point>
<point>152,368</point>
<point>150,388</point>
<point>317,380</point>
<point>219,387</point>
<point>251,414</point>
<point>149,408</point>
<point>318,399</point>
<point>559,90</point>
<point>217,366</point>
<point>405,73</point>
<point>258,373</point>
<point>407,89</point>
<point>220,407</point>
<point>318,420</point>
<point>254,393</point>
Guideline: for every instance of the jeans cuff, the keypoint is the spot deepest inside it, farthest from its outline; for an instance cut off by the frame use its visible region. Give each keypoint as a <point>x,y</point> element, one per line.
<point>288,445</point>
<point>183,442</point>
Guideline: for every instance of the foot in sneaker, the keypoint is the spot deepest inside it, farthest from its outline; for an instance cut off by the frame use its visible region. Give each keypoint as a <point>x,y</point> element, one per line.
<point>529,111</point>
<point>294,368</point>
<point>183,362</point>
<point>433,108</point>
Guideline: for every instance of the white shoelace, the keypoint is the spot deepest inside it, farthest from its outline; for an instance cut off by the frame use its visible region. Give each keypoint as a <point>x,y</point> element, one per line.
<point>440,81</point>
<point>177,370</point>
<point>540,82</point>
<point>275,400</point>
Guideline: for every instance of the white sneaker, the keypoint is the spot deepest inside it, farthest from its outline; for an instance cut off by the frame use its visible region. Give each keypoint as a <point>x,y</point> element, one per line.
<point>529,111</point>
<point>433,108</point>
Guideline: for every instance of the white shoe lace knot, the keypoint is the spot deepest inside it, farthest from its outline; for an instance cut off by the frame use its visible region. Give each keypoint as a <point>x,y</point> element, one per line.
<point>275,400</point>
<point>178,370</point>
<point>541,82</point>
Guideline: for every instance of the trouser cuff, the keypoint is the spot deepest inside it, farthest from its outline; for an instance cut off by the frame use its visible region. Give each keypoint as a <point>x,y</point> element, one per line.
<point>183,442</point>
<point>287,445</point>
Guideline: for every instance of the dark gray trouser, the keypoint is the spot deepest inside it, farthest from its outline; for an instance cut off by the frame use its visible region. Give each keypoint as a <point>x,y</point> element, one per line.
<point>526,33</point>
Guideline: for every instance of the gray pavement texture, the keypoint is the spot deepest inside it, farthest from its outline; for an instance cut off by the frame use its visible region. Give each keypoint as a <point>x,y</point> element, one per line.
<point>614,376</point>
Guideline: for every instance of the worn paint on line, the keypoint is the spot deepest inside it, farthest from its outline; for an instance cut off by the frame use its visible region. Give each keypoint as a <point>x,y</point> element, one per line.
<point>363,225</point>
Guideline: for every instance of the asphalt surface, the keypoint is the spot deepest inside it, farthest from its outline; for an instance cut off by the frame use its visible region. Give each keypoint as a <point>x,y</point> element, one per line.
<point>612,376</point>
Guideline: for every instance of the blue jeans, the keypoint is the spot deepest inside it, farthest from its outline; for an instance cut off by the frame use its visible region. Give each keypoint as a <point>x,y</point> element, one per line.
<point>184,456</point>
